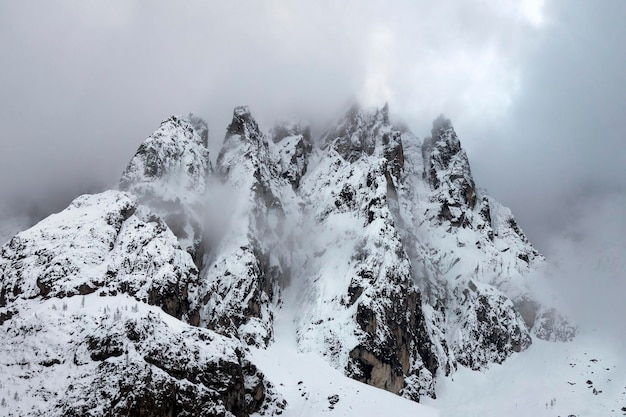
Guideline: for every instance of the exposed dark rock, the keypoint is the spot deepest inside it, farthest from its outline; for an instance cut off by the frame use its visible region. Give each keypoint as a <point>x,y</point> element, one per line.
<point>160,372</point>
<point>493,327</point>
<point>448,172</point>
<point>241,303</point>
<point>169,174</point>
<point>294,146</point>
<point>242,123</point>
<point>356,134</point>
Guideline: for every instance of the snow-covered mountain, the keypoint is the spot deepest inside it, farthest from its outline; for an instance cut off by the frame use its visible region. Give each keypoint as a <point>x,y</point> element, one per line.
<point>367,247</point>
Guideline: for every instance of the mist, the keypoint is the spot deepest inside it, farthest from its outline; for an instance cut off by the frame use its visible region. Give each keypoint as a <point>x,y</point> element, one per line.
<point>84,84</point>
<point>587,267</point>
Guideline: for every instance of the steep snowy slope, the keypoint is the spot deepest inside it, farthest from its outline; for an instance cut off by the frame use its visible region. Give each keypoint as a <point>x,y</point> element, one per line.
<point>469,257</point>
<point>105,243</point>
<point>584,378</point>
<point>409,269</point>
<point>244,270</point>
<point>360,307</point>
<point>312,387</point>
<point>473,236</point>
<point>103,358</point>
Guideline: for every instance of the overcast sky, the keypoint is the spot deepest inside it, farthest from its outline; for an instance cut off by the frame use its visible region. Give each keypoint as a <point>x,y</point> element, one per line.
<point>535,88</point>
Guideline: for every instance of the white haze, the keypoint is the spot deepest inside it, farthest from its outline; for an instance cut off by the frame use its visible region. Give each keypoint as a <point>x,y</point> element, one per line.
<point>85,82</point>
<point>588,267</point>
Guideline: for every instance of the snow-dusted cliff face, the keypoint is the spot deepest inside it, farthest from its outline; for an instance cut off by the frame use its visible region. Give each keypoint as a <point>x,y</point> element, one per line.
<point>245,269</point>
<point>169,173</point>
<point>390,262</point>
<point>103,243</point>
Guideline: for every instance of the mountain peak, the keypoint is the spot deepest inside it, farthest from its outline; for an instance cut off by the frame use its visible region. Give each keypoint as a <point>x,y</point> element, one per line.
<point>358,131</point>
<point>242,111</point>
<point>178,145</point>
<point>441,123</point>
<point>242,123</point>
<point>445,160</point>
<point>443,135</point>
<point>169,172</point>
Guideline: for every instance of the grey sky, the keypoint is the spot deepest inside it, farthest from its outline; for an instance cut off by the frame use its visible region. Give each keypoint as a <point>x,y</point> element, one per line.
<point>535,88</point>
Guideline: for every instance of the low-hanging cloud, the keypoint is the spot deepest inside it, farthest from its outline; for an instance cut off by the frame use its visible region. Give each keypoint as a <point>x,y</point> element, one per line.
<point>84,83</point>
<point>588,266</point>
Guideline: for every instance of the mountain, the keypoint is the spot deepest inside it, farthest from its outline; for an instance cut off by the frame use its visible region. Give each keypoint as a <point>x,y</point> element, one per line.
<point>365,247</point>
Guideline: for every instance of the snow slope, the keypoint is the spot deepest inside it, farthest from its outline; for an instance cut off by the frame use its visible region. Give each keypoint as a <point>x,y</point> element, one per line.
<point>586,377</point>
<point>312,387</point>
<point>113,355</point>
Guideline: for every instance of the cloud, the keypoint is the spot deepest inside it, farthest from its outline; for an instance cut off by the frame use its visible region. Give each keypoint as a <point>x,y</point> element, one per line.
<point>84,83</point>
<point>562,140</point>
<point>588,265</point>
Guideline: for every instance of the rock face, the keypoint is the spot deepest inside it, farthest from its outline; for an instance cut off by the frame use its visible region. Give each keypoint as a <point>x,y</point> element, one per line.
<point>295,147</point>
<point>403,270</point>
<point>242,275</point>
<point>367,316</point>
<point>447,169</point>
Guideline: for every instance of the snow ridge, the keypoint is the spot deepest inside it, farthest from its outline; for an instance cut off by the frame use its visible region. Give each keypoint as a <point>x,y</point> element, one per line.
<point>401,269</point>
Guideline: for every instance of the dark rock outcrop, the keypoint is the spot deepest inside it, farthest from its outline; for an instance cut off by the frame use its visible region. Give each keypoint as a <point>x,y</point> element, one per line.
<point>131,361</point>
<point>448,172</point>
<point>294,146</point>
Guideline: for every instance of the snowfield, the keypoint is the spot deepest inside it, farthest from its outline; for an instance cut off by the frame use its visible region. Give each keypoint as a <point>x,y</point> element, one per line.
<point>585,377</point>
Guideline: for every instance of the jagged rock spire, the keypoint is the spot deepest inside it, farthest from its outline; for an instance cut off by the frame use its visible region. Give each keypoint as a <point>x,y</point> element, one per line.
<point>174,149</point>
<point>357,132</point>
<point>201,127</point>
<point>243,123</point>
<point>294,144</point>
<point>448,171</point>
<point>243,274</point>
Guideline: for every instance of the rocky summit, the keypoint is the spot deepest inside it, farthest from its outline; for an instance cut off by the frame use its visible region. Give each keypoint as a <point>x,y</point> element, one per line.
<point>378,250</point>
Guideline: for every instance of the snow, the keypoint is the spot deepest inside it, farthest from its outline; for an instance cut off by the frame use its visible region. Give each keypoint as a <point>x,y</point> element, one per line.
<point>44,356</point>
<point>549,379</point>
<point>309,383</point>
<point>383,287</point>
<point>100,242</point>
